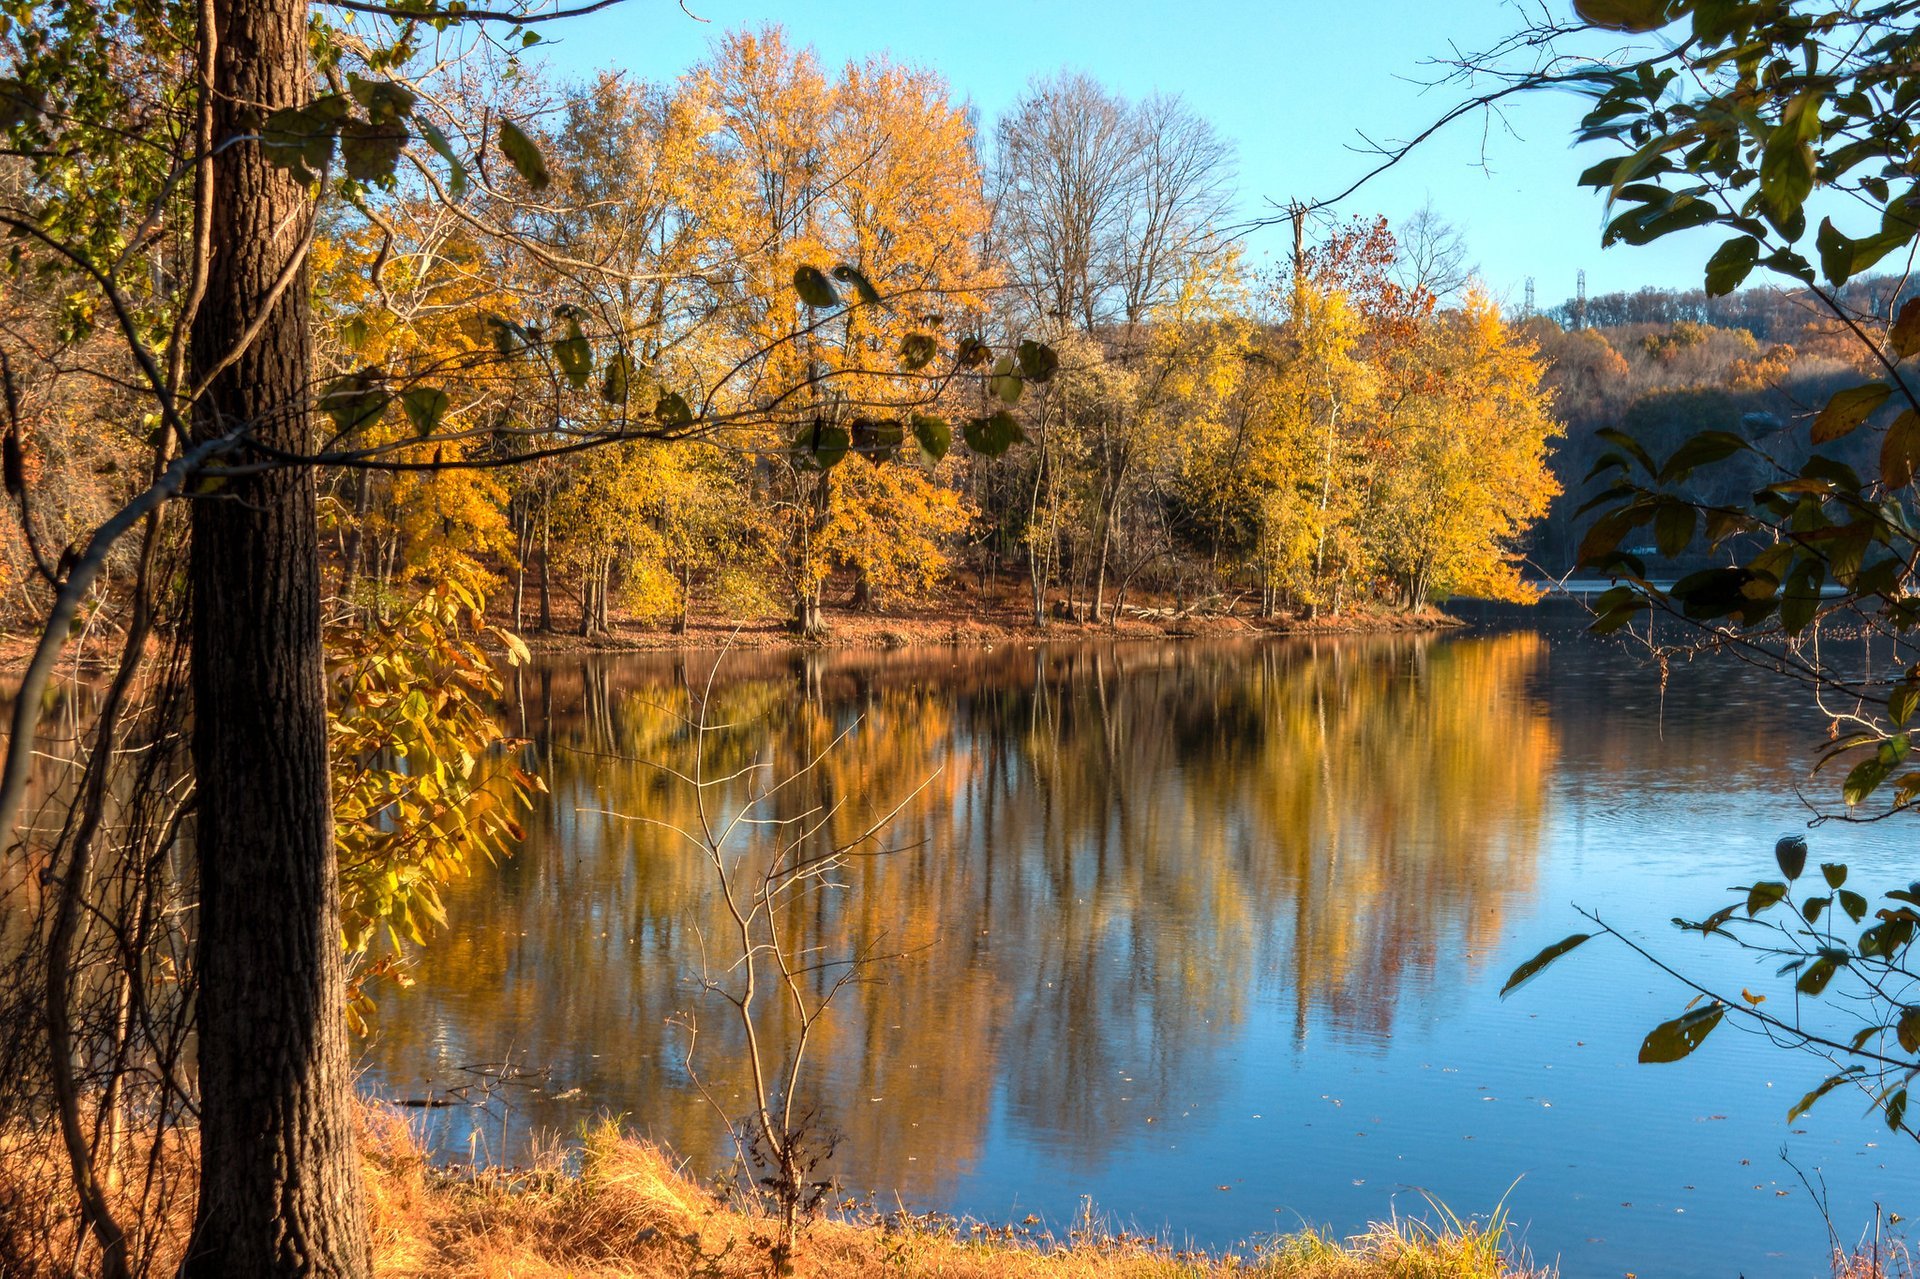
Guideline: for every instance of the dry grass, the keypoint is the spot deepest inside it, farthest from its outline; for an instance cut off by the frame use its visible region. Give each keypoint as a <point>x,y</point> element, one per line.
<point>631,1213</point>
<point>626,1210</point>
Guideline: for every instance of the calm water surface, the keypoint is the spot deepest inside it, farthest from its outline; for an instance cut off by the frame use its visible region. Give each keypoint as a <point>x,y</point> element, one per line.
<point>1210,934</point>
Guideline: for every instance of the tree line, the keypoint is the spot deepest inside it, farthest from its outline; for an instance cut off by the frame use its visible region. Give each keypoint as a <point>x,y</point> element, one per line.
<point>1355,424</point>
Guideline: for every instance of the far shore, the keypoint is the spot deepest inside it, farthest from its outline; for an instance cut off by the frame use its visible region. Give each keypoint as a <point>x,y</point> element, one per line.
<point>962,619</point>
<point>955,617</point>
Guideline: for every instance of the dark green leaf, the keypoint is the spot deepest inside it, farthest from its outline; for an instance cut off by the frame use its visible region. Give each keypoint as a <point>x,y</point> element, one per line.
<point>671,409</point>
<point>370,150</point>
<point>1730,265</point>
<point>918,349</point>
<point>1827,1085</point>
<point>1817,976</point>
<point>1526,972</point>
<point>1038,361</point>
<point>1672,1040</point>
<point>1900,451</point>
<point>1005,383</point>
<point>1673,528</point>
<point>425,406</point>
<point>355,402</point>
<point>524,155</point>
<point>820,445</point>
<point>1790,853</point>
<point>993,436</point>
<point>1907,1029</point>
<point>1848,409</point>
<point>862,287</point>
<point>934,435</point>
<point>456,169</point>
<point>972,352</point>
<point>814,288</point>
<point>1904,339</point>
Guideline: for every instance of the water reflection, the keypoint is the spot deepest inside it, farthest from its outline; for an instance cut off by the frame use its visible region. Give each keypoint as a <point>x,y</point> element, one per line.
<point>1122,850</point>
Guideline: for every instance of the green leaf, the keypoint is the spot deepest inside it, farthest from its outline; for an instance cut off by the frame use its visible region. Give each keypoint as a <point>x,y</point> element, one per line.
<point>1800,601</point>
<point>814,288</point>
<point>918,349</point>
<point>425,406</point>
<point>1835,873</point>
<point>1038,361</point>
<point>1702,449</point>
<point>1764,895</point>
<point>618,379</point>
<point>1790,853</point>
<point>355,402</point>
<point>1527,971</point>
<point>993,436</point>
<point>1907,1029</point>
<point>1630,446</point>
<point>1853,903</point>
<point>1817,976</point>
<point>1004,382</point>
<point>972,352</point>
<point>820,445</point>
<point>370,150</point>
<point>876,438</point>
<point>1827,1085</point>
<point>574,355</point>
<point>1900,451</point>
<point>1673,528</point>
<point>1865,777</point>
<point>935,438</point>
<point>1672,1040</point>
<point>1896,1109</point>
<point>1730,265</point>
<point>1623,15</point>
<point>524,156</point>
<point>671,409</point>
<point>1788,165</point>
<point>1904,338</point>
<point>862,287</point>
<point>1848,409</point>
<point>456,169</point>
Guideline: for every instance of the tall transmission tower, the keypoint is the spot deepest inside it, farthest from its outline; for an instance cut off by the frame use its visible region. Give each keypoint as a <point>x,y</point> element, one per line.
<point>1580,301</point>
<point>1526,309</point>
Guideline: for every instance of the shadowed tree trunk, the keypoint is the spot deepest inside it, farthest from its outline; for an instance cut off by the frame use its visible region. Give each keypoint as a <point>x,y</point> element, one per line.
<point>280,1191</point>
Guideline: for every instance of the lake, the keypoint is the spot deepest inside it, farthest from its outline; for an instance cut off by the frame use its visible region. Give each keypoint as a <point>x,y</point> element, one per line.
<point>1208,935</point>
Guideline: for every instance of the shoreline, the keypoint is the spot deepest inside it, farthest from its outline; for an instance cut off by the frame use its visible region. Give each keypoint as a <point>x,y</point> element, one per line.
<point>954,622</point>
<point>947,627</point>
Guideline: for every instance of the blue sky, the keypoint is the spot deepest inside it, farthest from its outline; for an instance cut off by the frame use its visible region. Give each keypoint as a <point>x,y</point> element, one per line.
<point>1294,83</point>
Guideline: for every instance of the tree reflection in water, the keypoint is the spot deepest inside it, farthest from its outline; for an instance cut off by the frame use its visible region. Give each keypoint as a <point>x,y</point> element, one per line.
<point>1125,847</point>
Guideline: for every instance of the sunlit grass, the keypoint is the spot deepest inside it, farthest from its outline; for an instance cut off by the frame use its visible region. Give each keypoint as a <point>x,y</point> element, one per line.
<point>630,1212</point>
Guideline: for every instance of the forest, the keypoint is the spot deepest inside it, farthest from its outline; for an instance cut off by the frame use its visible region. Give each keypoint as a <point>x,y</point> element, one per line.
<point>1360,424</point>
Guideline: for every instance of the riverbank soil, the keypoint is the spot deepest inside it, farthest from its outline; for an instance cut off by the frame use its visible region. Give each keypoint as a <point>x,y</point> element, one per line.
<point>965,614</point>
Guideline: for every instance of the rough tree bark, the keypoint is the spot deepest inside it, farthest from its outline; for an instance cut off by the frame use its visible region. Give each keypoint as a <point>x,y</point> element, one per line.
<point>280,1191</point>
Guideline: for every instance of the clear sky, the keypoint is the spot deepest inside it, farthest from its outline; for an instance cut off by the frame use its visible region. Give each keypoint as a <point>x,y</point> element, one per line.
<point>1294,83</point>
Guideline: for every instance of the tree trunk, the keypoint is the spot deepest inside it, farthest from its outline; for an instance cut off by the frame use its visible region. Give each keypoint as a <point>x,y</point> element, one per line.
<point>356,534</point>
<point>280,1191</point>
<point>546,571</point>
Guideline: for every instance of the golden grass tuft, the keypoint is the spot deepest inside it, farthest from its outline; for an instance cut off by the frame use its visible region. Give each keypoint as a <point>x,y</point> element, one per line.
<point>631,1212</point>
